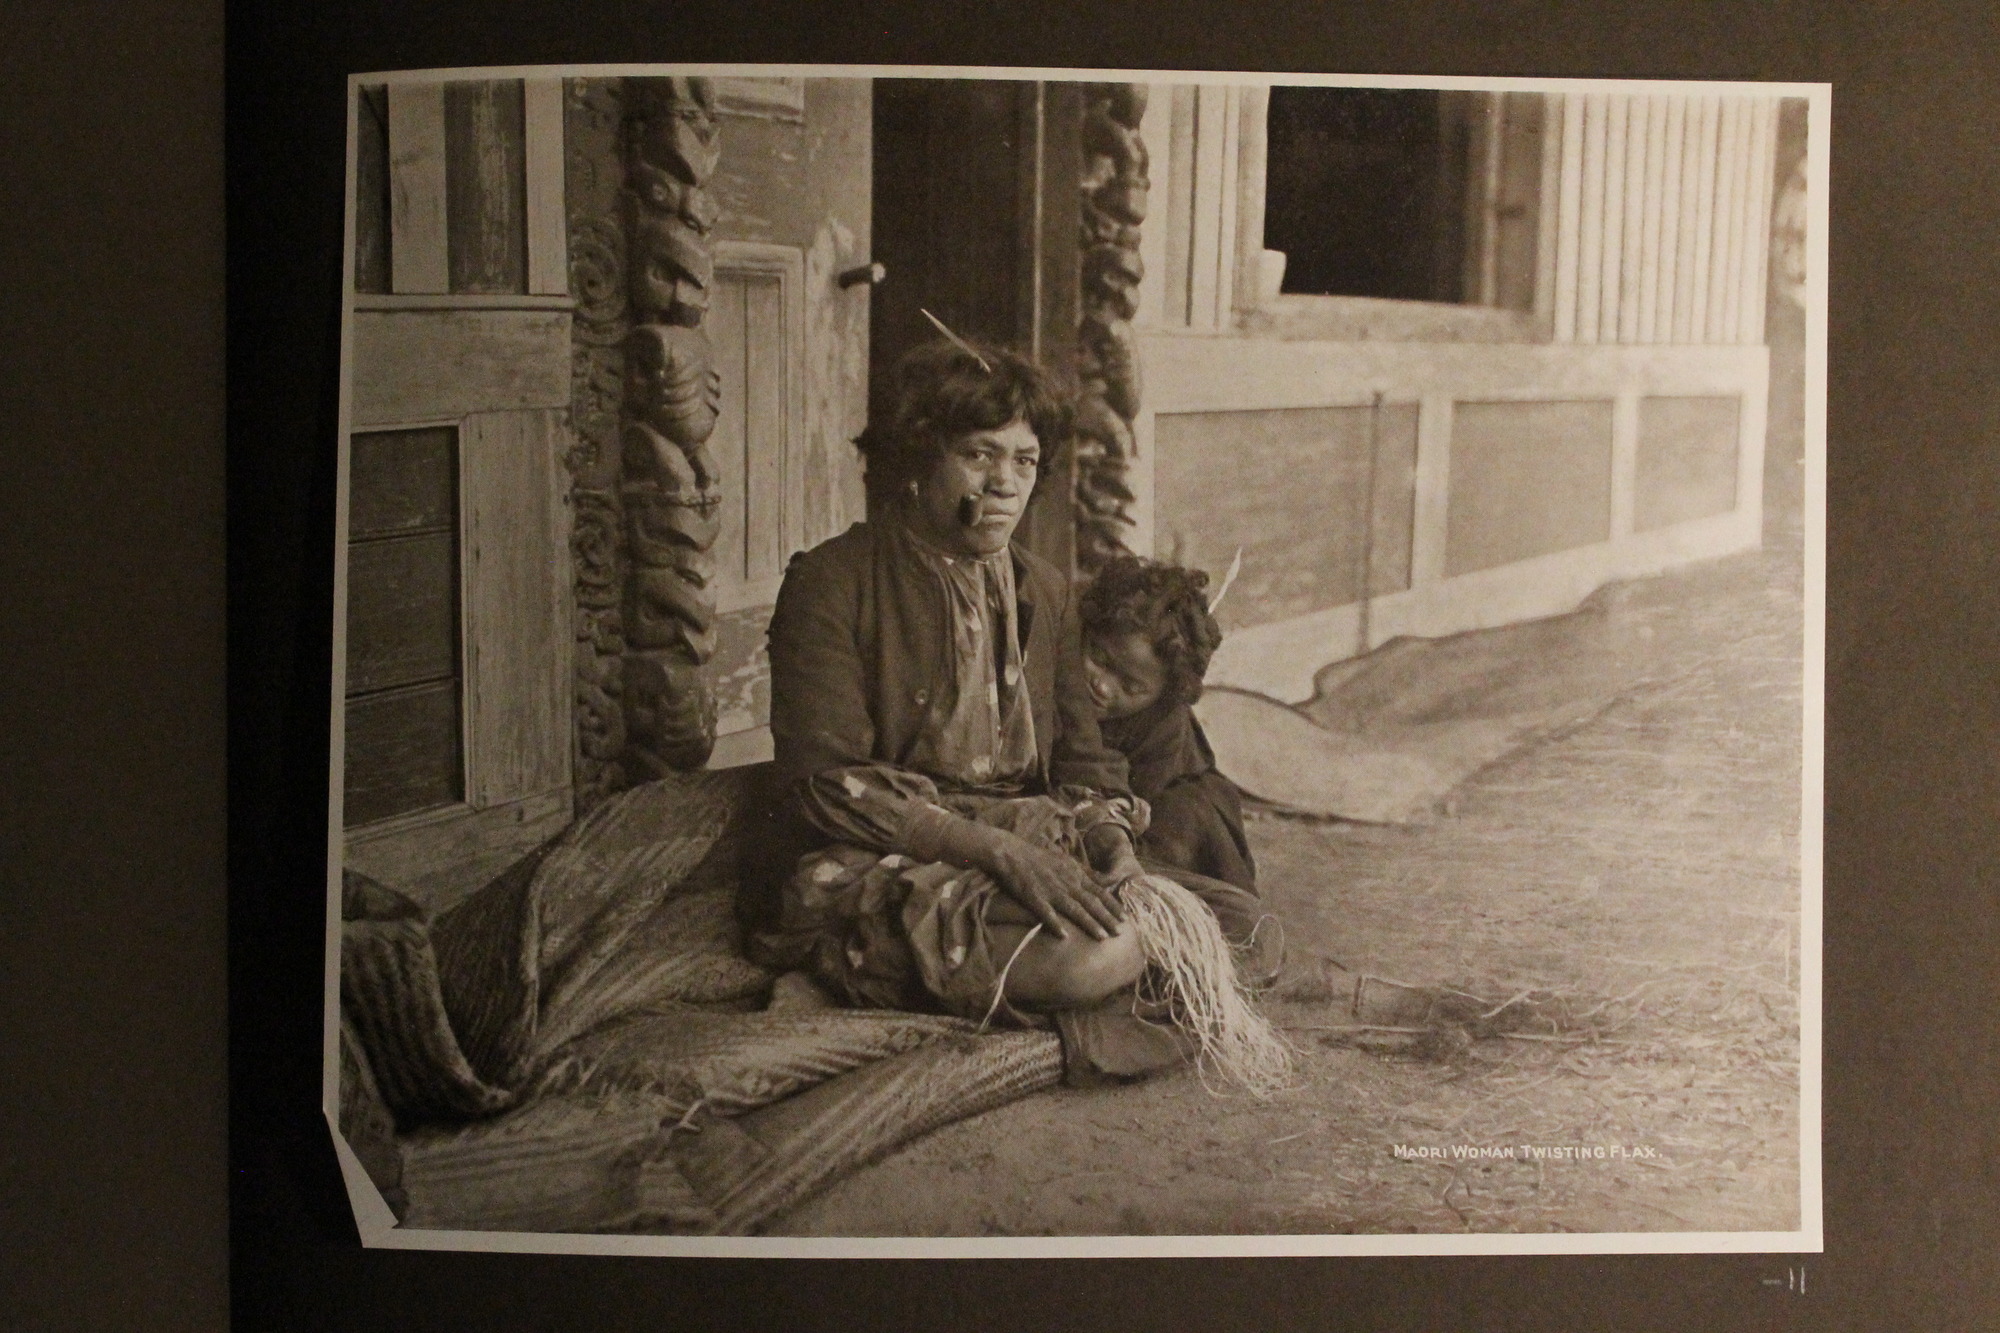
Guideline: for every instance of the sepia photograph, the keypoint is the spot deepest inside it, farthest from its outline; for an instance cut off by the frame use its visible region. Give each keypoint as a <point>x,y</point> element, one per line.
<point>992,662</point>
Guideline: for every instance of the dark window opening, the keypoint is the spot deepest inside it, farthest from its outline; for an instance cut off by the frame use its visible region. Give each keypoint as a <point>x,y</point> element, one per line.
<point>1405,195</point>
<point>1365,192</point>
<point>405,749</point>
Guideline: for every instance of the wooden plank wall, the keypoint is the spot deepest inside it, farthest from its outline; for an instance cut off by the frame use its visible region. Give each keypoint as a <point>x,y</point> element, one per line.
<point>471,174</point>
<point>486,244</point>
<point>1540,471</point>
<point>1217,140</point>
<point>756,321</point>
<point>517,614</point>
<point>1658,211</point>
<point>402,684</point>
<point>432,365</point>
<point>417,247</point>
<point>371,190</point>
<point>1663,210</point>
<point>544,207</point>
<point>457,737</point>
<point>1294,489</point>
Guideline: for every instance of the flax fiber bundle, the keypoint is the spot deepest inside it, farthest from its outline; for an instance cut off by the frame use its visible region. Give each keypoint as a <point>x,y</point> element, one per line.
<point>1191,973</point>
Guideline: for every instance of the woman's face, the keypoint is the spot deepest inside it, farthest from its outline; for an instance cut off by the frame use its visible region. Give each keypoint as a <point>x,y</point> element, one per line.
<point>975,493</point>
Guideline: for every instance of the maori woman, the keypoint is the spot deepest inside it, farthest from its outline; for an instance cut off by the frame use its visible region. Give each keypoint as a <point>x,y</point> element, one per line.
<point>948,831</point>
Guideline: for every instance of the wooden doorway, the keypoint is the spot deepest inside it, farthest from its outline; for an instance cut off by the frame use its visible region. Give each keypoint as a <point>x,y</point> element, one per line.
<point>975,219</point>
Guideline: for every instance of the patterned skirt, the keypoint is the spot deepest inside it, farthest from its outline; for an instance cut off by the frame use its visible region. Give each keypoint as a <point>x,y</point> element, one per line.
<point>883,931</point>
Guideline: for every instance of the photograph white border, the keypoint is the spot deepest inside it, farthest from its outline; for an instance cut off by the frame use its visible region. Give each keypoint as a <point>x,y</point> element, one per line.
<point>377,1224</point>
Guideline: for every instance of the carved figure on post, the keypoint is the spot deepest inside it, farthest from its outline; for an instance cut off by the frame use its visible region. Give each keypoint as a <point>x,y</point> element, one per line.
<point>669,483</point>
<point>1114,187</point>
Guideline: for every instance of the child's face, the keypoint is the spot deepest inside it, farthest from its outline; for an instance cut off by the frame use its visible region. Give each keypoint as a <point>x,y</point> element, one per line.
<point>1124,673</point>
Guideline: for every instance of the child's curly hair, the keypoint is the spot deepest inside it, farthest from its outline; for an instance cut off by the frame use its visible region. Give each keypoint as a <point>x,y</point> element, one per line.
<point>1166,603</point>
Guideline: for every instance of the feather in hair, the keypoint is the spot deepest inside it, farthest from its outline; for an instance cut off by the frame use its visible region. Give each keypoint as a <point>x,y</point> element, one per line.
<point>1235,568</point>
<point>956,341</point>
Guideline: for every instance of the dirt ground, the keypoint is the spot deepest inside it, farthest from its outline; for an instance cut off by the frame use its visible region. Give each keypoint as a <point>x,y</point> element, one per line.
<point>1644,866</point>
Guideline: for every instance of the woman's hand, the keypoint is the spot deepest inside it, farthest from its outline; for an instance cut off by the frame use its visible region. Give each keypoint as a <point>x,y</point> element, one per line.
<point>1110,849</point>
<point>1052,886</point>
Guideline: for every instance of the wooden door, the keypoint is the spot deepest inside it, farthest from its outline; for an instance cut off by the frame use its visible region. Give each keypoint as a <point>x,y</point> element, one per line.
<point>792,347</point>
<point>455,708</point>
<point>975,213</point>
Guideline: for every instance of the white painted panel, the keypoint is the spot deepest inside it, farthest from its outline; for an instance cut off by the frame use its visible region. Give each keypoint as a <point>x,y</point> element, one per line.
<point>1763,166</point>
<point>757,325</point>
<point>1720,326</point>
<point>1624,462</point>
<point>1569,227</point>
<point>1211,120</point>
<point>1431,503</point>
<point>1729,269</point>
<point>727,325</point>
<point>1226,241</point>
<point>1704,219</point>
<point>548,241</point>
<point>1280,659</point>
<point>1548,219</point>
<point>1617,113</point>
<point>1631,276</point>
<point>766,430</point>
<point>1252,119</point>
<point>1590,257</point>
<point>1673,169</point>
<point>1199,374</point>
<point>1651,209</point>
<point>1194,374</point>
<point>1685,242</point>
<point>1156,132</point>
<point>1753,229</point>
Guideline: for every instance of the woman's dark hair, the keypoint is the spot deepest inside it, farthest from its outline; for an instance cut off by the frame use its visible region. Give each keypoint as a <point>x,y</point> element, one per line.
<point>939,392</point>
<point>1168,604</point>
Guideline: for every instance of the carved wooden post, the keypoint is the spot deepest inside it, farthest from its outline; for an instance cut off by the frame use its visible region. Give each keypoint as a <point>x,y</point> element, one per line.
<point>1114,185</point>
<point>669,489</point>
<point>594,180</point>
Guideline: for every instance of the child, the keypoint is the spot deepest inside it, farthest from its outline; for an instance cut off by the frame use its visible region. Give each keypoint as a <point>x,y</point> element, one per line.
<point>1148,637</point>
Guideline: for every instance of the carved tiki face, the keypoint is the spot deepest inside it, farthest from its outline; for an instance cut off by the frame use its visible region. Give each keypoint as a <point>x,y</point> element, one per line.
<point>671,382</point>
<point>672,268</point>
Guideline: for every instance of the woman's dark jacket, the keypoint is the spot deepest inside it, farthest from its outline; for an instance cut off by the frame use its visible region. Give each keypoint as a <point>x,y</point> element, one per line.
<point>857,645</point>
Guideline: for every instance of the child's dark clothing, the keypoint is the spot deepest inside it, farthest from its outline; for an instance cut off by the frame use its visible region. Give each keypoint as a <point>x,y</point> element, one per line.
<point>1197,812</point>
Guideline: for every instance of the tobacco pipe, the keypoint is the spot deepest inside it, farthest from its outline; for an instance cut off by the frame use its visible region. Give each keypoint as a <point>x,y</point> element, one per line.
<point>968,511</point>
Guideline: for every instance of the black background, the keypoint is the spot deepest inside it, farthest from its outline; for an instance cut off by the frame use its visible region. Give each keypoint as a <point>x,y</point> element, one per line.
<point>112,711</point>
